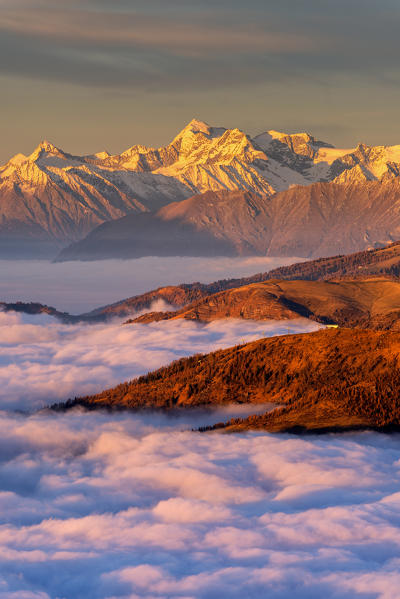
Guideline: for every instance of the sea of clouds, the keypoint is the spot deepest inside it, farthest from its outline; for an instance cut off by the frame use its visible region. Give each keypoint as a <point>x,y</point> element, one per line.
<point>122,506</point>
<point>139,506</point>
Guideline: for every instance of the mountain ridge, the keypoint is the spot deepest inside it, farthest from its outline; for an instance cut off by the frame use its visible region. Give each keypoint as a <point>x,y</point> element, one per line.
<point>383,263</point>
<point>368,303</point>
<point>317,220</point>
<point>54,196</point>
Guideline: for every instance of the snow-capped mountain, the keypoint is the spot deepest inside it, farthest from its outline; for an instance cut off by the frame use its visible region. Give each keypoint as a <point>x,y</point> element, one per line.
<point>62,197</point>
<point>53,195</point>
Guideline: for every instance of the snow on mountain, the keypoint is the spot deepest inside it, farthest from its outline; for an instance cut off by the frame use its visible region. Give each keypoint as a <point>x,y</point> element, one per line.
<point>62,197</point>
<point>65,196</point>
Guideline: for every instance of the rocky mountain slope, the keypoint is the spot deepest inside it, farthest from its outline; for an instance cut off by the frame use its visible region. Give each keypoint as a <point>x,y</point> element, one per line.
<point>55,197</point>
<point>372,303</point>
<point>220,223</point>
<point>328,380</point>
<point>320,219</point>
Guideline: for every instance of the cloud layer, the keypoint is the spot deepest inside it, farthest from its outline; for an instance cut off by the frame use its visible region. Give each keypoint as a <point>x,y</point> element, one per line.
<point>127,506</point>
<point>43,361</point>
<point>103,506</point>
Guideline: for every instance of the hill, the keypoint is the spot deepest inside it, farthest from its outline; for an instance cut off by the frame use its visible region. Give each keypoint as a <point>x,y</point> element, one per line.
<point>331,379</point>
<point>372,303</point>
<point>211,224</point>
<point>381,262</point>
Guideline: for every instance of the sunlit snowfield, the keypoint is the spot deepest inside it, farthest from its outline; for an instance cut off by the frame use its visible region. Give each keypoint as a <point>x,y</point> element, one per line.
<point>96,505</point>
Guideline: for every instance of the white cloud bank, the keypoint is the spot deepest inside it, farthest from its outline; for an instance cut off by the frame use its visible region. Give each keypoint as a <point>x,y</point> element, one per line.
<point>43,361</point>
<point>101,506</point>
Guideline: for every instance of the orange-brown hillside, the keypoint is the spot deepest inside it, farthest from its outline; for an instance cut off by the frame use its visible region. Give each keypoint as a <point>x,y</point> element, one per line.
<point>381,262</point>
<point>373,303</point>
<point>329,379</point>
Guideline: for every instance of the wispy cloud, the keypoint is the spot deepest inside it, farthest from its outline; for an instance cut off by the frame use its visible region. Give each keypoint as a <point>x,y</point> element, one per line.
<point>139,30</point>
<point>197,44</point>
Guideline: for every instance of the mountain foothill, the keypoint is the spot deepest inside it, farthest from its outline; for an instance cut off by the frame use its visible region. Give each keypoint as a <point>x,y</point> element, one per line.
<point>340,378</point>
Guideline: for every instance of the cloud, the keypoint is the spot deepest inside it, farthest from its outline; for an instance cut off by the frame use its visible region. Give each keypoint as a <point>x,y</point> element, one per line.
<point>108,506</point>
<point>161,46</point>
<point>140,30</point>
<point>43,361</point>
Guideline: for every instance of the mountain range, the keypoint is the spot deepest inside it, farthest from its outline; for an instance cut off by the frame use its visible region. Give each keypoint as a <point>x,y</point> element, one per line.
<point>264,195</point>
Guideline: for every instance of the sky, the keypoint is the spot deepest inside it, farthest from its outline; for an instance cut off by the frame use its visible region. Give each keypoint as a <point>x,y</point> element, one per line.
<point>92,74</point>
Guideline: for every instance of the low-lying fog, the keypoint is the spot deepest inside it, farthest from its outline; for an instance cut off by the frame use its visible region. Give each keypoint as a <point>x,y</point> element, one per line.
<point>78,287</point>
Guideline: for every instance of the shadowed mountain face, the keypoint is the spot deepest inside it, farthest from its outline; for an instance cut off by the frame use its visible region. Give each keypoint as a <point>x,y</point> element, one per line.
<point>311,221</point>
<point>373,303</point>
<point>331,379</point>
<point>145,235</point>
<point>214,223</point>
<point>52,197</point>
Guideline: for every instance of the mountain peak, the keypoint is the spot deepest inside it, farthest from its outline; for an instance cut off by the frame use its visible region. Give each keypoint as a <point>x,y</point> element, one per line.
<point>45,147</point>
<point>197,125</point>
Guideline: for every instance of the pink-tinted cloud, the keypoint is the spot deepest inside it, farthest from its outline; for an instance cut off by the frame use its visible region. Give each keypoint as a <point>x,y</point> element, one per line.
<point>106,506</point>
